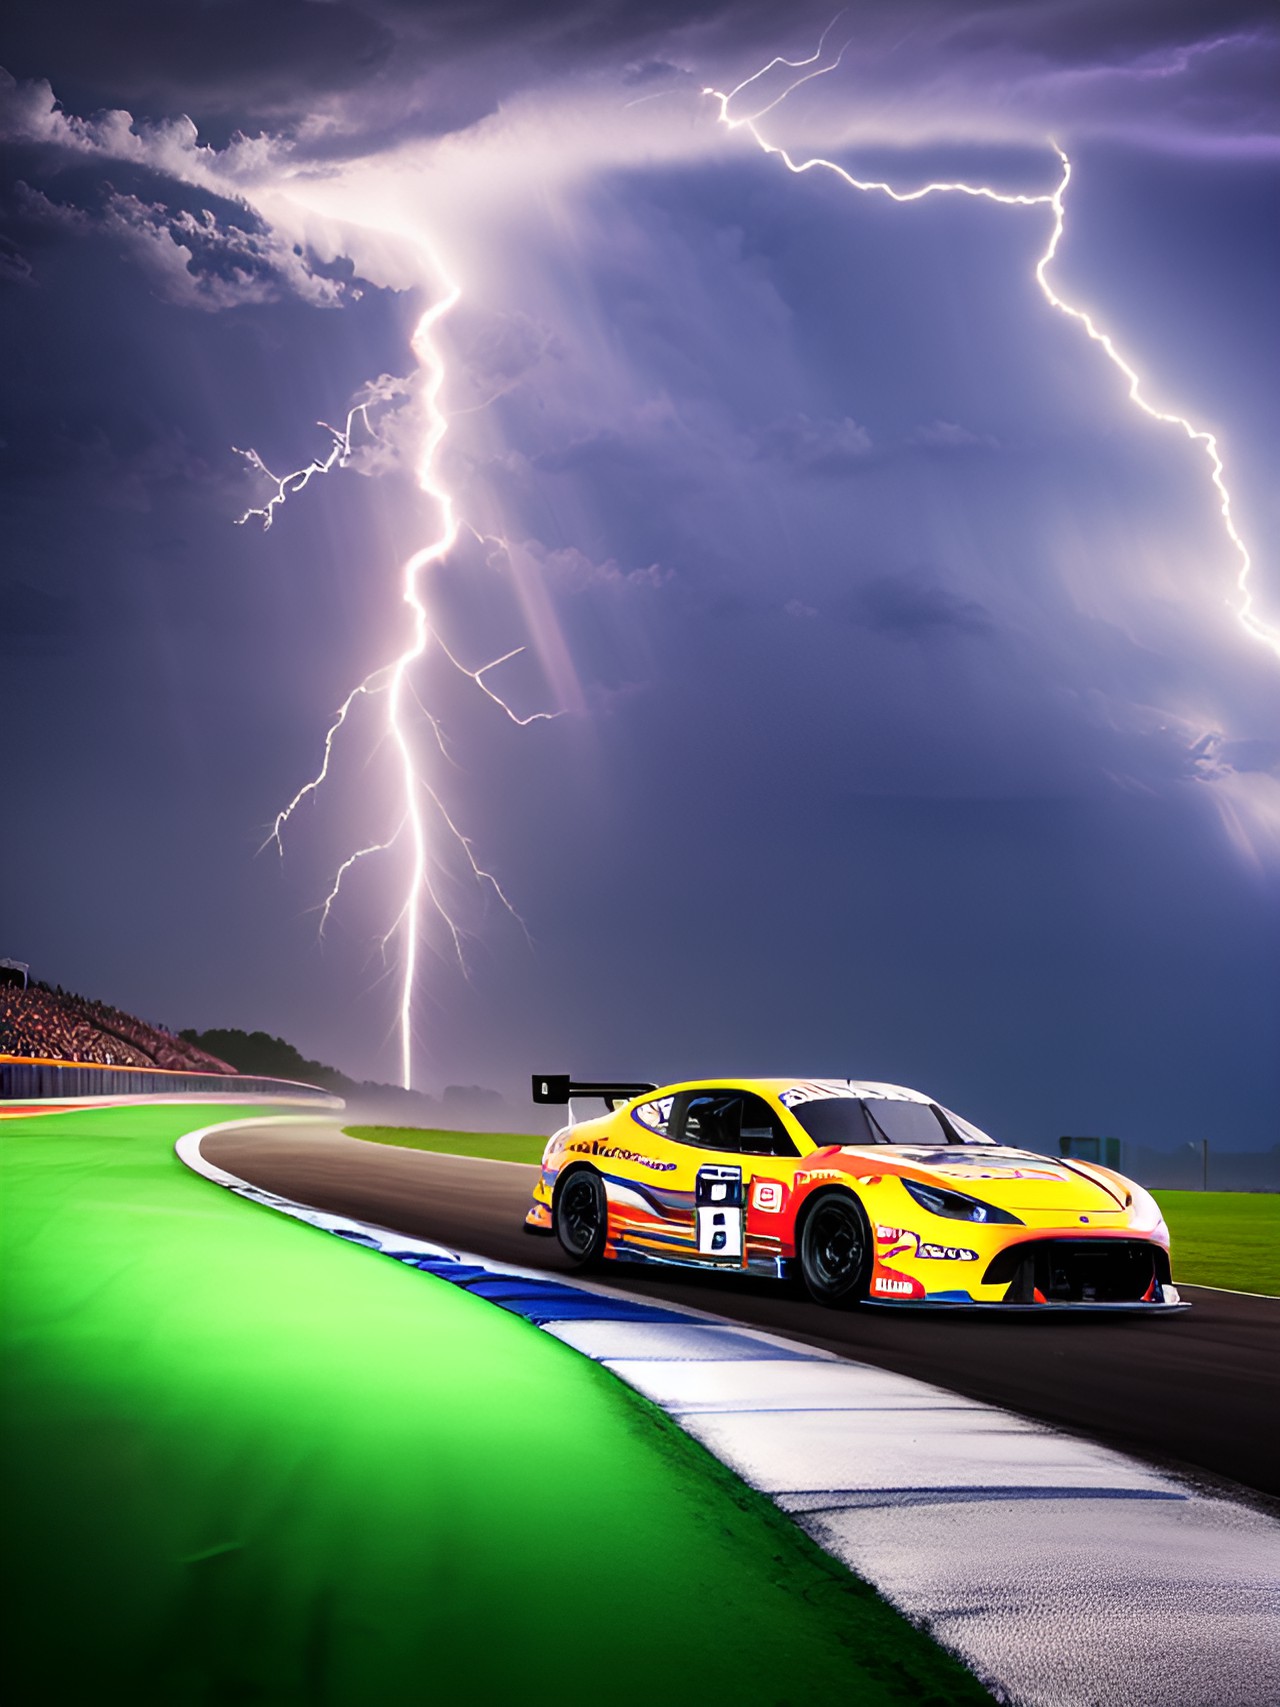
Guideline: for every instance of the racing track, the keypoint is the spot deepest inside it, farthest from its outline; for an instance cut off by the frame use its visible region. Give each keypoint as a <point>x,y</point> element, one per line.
<point>1199,1391</point>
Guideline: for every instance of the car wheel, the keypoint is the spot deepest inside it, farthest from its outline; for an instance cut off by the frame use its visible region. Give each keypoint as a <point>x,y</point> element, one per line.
<point>835,1249</point>
<point>581,1217</point>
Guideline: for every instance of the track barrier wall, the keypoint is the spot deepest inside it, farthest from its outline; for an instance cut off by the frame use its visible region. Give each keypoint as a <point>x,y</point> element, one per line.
<point>1190,1167</point>
<point>25,1080</point>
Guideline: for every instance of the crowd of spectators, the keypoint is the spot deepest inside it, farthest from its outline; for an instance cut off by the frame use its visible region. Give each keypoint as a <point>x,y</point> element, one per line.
<point>54,1025</point>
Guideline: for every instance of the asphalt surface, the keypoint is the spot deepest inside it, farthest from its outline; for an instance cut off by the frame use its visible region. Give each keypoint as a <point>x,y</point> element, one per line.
<point>1199,1391</point>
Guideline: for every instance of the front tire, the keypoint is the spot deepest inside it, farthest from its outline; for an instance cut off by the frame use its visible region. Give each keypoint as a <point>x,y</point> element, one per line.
<point>581,1216</point>
<point>835,1249</point>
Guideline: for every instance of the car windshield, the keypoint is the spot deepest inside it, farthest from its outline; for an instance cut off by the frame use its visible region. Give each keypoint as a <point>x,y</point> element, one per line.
<point>883,1120</point>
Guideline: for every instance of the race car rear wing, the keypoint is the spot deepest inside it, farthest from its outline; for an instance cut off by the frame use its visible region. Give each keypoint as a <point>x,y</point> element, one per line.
<point>559,1087</point>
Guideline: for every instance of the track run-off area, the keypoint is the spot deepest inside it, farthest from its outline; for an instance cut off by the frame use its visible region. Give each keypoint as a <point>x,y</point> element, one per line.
<point>248,1462</point>
<point>1064,1573</point>
<point>416,1492</point>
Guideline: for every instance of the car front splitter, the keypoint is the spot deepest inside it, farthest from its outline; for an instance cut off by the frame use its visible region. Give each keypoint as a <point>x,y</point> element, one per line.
<point>1057,1307</point>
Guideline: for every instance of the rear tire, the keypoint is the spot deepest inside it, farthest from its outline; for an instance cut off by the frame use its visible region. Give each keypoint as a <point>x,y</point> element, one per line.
<point>835,1249</point>
<point>581,1216</point>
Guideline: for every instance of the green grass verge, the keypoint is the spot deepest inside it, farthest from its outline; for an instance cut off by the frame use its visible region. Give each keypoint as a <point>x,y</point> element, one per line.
<point>1224,1238</point>
<point>246,1462</point>
<point>498,1146</point>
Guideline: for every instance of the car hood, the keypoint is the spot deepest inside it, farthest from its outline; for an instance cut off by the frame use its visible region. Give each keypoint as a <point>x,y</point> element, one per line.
<point>1012,1179</point>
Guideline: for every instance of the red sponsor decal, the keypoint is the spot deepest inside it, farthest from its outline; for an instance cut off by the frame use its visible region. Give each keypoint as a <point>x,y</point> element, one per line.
<point>889,1283</point>
<point>768,1195</point>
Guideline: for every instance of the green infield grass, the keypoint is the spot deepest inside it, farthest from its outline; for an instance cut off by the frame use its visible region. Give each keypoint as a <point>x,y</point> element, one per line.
<point>247,1462</point>
<point>497,1146</point>
<point>1224,1238</point>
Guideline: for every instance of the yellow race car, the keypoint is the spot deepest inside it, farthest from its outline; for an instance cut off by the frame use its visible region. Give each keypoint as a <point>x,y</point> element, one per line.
<point>872,1193</point>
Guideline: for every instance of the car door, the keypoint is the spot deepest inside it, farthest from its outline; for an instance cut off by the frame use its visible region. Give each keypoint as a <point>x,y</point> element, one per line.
<point>650,1211</point>
<point>730,1147</point>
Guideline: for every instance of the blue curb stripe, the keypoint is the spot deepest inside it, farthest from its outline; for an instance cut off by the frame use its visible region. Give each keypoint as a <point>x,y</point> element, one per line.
<point>538,1301</point>
<point>585,1309</point>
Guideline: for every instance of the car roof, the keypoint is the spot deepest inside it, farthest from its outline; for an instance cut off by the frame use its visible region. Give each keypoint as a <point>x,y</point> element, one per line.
<point>814,1088</point>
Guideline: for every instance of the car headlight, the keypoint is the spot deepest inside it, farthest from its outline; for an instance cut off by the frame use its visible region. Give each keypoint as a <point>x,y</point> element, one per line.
<point>955,1206</point>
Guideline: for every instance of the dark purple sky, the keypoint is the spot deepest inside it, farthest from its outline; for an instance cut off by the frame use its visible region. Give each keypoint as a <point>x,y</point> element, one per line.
<point>909,729</point>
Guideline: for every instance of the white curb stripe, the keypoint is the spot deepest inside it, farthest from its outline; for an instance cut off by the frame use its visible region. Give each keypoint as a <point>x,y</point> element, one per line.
<point>1228,1291</point>
<point>1062,1573</point>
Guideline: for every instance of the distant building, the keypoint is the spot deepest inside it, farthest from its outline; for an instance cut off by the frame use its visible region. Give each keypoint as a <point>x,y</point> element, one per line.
<point>1104,1150</point>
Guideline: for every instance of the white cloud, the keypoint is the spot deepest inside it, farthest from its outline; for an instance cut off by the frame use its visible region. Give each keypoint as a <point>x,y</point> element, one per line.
<point>573,569</point>
<point>949,435</point>
<point>815,447</point>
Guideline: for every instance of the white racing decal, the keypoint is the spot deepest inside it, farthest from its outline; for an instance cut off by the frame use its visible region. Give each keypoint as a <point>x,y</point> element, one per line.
<point>905,1243</point>
<point>718,1202</point>
<point>816,1090</point>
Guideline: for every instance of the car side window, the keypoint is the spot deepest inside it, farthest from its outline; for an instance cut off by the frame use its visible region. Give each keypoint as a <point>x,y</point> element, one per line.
<point>733,1120</point>
<point>654,1116</point>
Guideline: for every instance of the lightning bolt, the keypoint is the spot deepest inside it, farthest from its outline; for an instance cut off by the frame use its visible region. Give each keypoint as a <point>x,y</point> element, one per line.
<point>326,905</point>
<point>367,686</point>
<point>286,485</point>
<point>477,676</point>
<point>395,680</point>
<point>1055,200</point>
<point>1248,618</point>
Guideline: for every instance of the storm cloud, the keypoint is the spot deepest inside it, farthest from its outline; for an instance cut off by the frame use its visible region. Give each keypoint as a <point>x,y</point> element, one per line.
<point>907,726</point>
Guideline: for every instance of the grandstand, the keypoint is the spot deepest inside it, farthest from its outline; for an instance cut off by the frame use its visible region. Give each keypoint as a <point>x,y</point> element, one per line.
<point>41,1023</point>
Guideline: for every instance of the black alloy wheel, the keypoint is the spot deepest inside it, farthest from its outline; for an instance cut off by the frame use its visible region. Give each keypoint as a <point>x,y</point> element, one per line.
<point>835,1249</point>
<point>582,1218</point>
